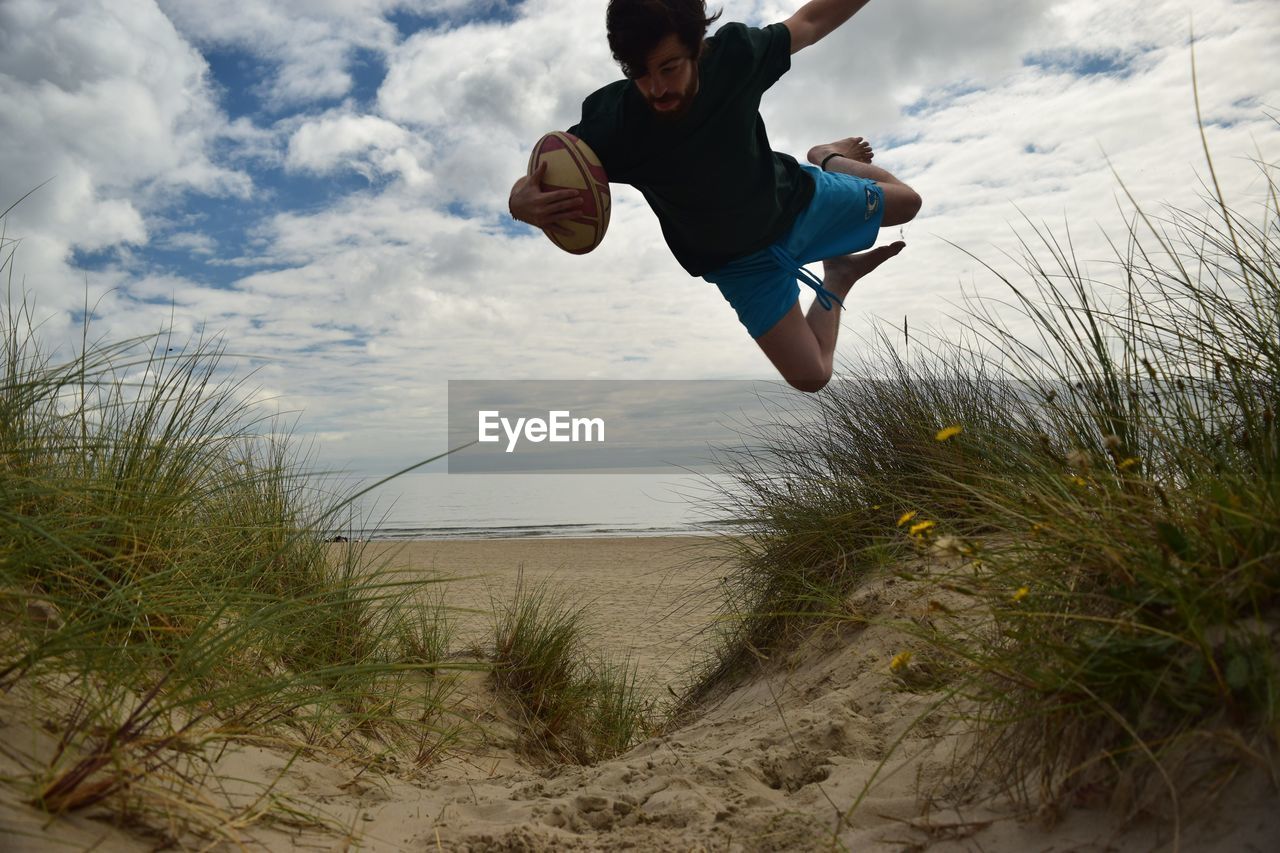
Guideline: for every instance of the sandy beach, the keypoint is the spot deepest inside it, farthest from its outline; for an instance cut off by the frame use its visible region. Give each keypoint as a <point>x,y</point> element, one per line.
<point>647,597</point>
<point>823,749</point>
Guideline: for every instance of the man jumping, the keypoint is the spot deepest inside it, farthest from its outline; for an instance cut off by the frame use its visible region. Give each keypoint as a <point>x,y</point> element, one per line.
<point>684,128</point>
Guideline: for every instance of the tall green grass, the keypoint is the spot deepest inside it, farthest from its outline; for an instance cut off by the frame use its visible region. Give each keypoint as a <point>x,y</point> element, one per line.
<point>167,590</point>
<point>1107,513</point>
<point>572,703</point>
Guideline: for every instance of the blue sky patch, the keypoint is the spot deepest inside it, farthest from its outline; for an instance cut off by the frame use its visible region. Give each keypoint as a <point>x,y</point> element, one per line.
<point>1034,148</point>
<point>304,192</point>
<point>368,68</point>
<point>97,260</point>
<point>229,225</point>
<point>408,22</point>
<point>216,241</point>
<point>897,140</point>
<point>240,76</point>
<point>939,99</point>
<point>508,227</point>
<point>1082,63</point>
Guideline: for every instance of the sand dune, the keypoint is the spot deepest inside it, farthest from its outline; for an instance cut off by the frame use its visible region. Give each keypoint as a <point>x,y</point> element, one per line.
<point>825,750</point>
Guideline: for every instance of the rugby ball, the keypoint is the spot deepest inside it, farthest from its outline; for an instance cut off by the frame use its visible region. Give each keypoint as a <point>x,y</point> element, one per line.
<point>572,165</point>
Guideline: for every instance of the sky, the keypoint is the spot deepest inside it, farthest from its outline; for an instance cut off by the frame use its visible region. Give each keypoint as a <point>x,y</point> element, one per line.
<point>322,184</point>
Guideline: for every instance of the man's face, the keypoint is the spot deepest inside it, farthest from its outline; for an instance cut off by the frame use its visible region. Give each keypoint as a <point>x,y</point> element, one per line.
<point>669,80</point>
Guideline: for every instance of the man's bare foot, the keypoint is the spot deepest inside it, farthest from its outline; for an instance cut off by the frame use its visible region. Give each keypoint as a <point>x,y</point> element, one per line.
<point>854,148</point>
<point>839,274</point>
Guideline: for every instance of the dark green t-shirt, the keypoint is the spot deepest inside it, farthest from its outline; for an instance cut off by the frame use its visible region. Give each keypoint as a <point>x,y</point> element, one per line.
<point>717,188</point>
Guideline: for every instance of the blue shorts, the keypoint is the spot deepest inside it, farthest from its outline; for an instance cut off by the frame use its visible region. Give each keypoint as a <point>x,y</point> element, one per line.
<point>844,216</point>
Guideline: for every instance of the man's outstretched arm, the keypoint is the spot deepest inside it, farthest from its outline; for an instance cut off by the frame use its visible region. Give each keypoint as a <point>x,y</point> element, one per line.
<point>817,19</point>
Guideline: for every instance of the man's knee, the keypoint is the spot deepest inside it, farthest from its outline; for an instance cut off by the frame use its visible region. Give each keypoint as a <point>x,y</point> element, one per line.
<point>901,204</point>
<point>913,203</point>
<point>809,383</point>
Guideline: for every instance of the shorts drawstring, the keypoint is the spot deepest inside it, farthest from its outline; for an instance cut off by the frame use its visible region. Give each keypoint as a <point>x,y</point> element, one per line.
<point>790,264</point>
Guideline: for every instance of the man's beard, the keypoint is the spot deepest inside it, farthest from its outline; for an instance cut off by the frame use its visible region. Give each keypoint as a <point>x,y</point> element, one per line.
<point>684,102</point>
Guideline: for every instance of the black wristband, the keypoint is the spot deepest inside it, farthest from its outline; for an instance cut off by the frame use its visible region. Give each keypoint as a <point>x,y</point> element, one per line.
<point>827,159</point>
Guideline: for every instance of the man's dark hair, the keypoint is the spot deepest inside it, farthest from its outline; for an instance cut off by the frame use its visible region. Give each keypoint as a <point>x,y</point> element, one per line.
<point>636,26</point>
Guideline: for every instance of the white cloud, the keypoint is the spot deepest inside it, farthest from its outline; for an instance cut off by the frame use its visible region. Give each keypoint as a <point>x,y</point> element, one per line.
<point>310,43</point>
<point>482,93</point>
<point>191,241</point>
<point>369,144</point>
<point>105,101</point>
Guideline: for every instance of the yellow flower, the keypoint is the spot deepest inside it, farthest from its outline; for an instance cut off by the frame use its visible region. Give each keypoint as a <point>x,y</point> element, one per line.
<point>1128,463</point>
<point>906,516</point>
<point>920,527</point>
<point>1078,480</point>
<point>1021,593</point>
<point>900,660</point>
<point>949,432</point>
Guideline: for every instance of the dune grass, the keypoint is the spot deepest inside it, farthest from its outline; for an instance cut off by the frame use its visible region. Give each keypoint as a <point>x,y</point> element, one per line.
<point>167,590</point>
<point>168,593</point>
<point>1090,473</point>
<point>573,704</point>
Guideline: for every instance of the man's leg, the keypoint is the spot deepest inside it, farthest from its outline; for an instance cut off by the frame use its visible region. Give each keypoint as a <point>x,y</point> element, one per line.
<point>901,203</point>
<point>803,348</point>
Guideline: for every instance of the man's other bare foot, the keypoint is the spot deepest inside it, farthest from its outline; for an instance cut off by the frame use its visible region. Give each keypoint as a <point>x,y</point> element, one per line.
<point>854,148</point>
<point>840,274</point>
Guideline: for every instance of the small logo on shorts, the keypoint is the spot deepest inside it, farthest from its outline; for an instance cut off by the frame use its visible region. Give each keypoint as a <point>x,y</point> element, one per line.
<point>873,203</point>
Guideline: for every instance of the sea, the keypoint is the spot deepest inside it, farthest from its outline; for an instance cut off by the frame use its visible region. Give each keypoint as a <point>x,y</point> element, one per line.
<point>500,506</point>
